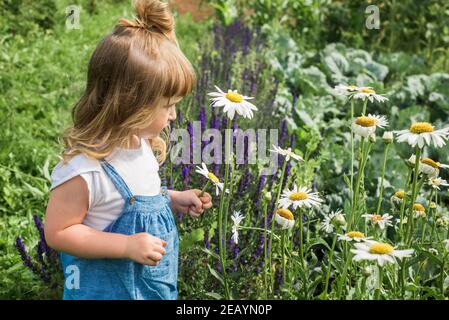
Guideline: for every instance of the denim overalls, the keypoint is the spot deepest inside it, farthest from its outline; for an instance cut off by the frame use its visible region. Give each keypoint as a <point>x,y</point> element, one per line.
<point>109,279</point>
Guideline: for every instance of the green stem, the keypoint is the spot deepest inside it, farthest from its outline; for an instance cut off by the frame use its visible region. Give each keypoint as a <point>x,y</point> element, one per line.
<point>357,183</point>
<point>220,216</point>
<point>379,203</point>
<point>352,151</point>
<point>442,275</point>
<point>301,255</point>
<point>414,194</point>
<point>403,203</point>
<point>379,284</point>
<point>434,215</point>
<point>342,278</point>
<point>425,219</point>
<point>265,256</point>
<point>270,252</point>
<point>365,102</point>
<point>228,199</point>
<point>326,284</point>
<point>283,257</point>
<point>205,188</point>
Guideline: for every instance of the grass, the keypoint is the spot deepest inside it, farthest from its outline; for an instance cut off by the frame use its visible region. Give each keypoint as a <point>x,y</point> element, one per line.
<point>42,77</point>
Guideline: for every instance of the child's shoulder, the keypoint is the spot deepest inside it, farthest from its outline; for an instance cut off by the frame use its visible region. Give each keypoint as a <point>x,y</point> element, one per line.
<point>77,165</point>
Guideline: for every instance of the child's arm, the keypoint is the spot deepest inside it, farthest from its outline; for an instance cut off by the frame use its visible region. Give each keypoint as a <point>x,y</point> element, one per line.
<point>65,232</point>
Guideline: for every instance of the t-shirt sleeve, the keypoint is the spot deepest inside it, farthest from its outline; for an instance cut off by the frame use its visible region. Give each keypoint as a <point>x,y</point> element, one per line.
<point>78,166</point>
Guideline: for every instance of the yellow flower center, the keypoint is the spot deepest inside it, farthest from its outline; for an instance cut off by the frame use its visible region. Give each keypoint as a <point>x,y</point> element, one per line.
<point>381,248</point>
<point>234,97</point>
<point>213,177</point>
<point>298,196</point>
<point>421,127</point>
<point>431,163</point>
<point>285,213</point>
<point>366,121</point>
<point>355,234</point>
<point>399,194</point>
<point>367,90</point>
<point>376,218</point>
<point>418,207</point>
<point>352,88</point>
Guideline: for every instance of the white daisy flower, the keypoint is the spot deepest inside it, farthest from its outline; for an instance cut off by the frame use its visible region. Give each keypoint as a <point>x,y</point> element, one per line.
<point>380,252</point>
<point>419,210</point>
<point>299,197</point>
<point>209,175</point>
<point>364,93</point>
<point>236,219</point>
<point>437,182</point>
<point>376,219</point>
<point>233,102</point>
<point>365,126</point>
<point>287,153</point>
<point>345,90</point>
<point>352,236</point>
<point>423,133</point>
<point>431,168</point>
<point>332,220</point>
<point>284,218</point>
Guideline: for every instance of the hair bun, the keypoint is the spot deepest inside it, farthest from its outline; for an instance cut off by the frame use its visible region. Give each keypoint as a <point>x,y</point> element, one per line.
<point>154,13</point>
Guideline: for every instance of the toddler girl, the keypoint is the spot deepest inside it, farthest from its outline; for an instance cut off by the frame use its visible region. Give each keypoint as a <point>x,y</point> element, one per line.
<point>108,215</point>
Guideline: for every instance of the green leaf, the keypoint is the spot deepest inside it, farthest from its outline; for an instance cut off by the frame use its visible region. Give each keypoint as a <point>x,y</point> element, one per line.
<point>214,295</point>
<point>189,239</point>
<point>430,256</point>
<point>317,242</point>
<point>216,275</point>
<point>211,253</point>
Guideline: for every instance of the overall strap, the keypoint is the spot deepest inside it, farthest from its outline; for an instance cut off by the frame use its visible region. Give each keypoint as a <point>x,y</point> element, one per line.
<point>117,180</point>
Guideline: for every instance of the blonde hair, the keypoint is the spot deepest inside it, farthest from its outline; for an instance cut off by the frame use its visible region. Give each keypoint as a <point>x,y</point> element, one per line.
<point>131,72</point>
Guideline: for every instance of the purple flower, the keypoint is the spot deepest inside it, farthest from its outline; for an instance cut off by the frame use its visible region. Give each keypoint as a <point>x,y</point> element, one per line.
<point>236,254</point>
<point>206,239</point>
<point>26,259</point>
<point>190,130</point>
<point>186,176</point>
<point>283,133</point>
<point>288,168</point>
<point>292,141</point>
<point>260,187</point>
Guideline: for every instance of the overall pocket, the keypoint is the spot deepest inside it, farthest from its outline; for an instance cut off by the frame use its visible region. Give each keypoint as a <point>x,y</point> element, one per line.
<point>166,270</point>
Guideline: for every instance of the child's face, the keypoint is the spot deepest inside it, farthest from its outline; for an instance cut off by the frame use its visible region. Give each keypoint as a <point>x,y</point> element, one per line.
<point>166,113</point>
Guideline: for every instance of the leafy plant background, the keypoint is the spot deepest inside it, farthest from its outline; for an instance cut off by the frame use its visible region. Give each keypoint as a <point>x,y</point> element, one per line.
<point>288,54</point>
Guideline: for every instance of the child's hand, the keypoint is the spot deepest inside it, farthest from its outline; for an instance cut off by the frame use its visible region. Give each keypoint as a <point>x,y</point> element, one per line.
<point>145,248</point>
<point>190,202</point>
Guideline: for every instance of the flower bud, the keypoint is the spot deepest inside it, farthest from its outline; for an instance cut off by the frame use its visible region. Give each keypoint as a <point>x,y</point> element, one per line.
<point>340,220</point>
<point>372,138</point>
<point>268,196</point>
<point>387,137</point>
<point>367,271</point>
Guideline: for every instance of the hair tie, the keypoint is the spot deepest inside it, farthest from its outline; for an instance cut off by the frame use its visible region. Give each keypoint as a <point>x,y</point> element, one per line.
<point>142,24</point>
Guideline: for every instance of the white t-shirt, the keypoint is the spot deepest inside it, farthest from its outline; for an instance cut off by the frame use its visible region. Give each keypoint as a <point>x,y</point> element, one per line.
<point>138,168</point>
